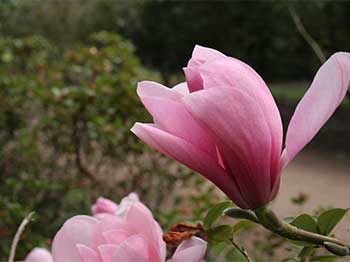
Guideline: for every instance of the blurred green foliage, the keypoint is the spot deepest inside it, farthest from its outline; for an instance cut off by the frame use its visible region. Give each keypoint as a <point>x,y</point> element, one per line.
<point>65,116</point>
<point>261,33</point>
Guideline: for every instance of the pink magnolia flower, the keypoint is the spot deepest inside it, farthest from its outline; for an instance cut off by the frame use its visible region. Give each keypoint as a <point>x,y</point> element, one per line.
<point>104,205</point>
<point>224,123</point>
<point>131,236</point>
<point>39,254</point>
<point>107,206</point>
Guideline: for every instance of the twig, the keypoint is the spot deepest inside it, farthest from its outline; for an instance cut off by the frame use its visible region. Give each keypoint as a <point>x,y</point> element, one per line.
<point>307,37</point>
<point>78,126</point>
<point>18,234</point>
<point>241,250</point>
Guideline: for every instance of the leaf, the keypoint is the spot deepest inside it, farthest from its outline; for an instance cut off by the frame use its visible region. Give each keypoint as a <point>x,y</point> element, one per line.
<point>329,219</point>
<point>243,225</point>
<point>305,222</point>
<point>220,233</point>
<point>324,258</point>
<point>305,252</point>
<point>215,212</point>
<point>288,220</point>
<point>235,255</point>
<point>217,248</point>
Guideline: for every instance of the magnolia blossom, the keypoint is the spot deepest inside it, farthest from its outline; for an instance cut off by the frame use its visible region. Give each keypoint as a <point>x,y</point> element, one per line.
<point>224,123</point>
<point>39,254</point>
<point>107,206</point>
<point>128,234</point>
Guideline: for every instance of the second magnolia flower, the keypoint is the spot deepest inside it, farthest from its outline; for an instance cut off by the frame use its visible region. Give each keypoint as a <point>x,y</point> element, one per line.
<point>224,123</point>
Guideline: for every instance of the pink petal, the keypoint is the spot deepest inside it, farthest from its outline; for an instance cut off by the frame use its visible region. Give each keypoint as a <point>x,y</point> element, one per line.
<point>39,254</point>
<point>203,54</point>
<point>103,205</point>
<point>318,104</point>
<point>247,141</point>
<point>107,223</point>
<point>115,237</point>
<point>192,250</point>
<point>181,88</point>
<point>107,251</point>
<point>233,73</point>
<point>126,203</point>
<point>142,222</point>
<point>76,230</point>
<point>189,155</point>
<point>170,114</point>
<point>200,56</point>
<point>133,249</point>
<point>87,254</point>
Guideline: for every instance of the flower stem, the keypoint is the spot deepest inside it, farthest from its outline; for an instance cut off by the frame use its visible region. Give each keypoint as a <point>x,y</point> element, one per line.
<point>270,221</point>
<point>241,250</point>
<point>18,234</point>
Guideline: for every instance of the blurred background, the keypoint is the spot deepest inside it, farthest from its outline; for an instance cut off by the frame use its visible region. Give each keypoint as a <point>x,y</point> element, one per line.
<point>68,76</point>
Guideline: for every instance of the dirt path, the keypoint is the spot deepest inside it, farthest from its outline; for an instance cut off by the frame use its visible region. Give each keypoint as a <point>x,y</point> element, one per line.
<point>326,179</point>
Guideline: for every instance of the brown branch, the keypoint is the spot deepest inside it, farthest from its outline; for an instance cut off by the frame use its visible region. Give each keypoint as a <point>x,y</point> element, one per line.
<point>78,126</point>
<point>18,234</point>
<point>241,250</point>
<point>307,37</point>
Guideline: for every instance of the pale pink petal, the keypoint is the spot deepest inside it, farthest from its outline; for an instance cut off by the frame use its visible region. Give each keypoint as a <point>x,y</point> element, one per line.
<point>134,196</point>
<point>192,249</point>
<point>76,230</point>
<point>171,115</point>
<point>189,155</point>
<point>133,249</point>
<point>107,251</point>
<point>107,223</point>
<point>245,138</point>
<point>126,203</point>
<point>115,237</point>
<point>87,254</point>
<point>103,205</point>
<point>142,222</point>
<point>181,88</point>
<point>154,89</point>
<point>203,54</point>
<point>39,254</point>
<point>318,104</point>
<point>200,56</point>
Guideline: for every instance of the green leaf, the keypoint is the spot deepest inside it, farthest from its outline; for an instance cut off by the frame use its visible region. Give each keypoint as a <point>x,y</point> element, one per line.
<point>220,233</point>
<point>235,255</point>
<point>243,225</point>
<point>305,222</point>
<point>329,219</point>
<point>324,258</point>
<point>217,248</point>
<point>305,252</point>
<point>215,212</point>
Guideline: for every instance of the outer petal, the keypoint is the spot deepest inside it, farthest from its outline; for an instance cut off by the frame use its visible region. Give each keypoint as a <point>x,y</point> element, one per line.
<point>39,254</point>
<point>134,249</point>
<point>233,73</point>
<point>126,203</point>
<point>170,114</point>
<point>181,88</point>
<point>244,137</point>
<point>318,104</point>
<point>142,222</point>
<point>76,230</point>
<point>200,56</point>
<point>192,250</point>
<point>191,156</point>
<point>87,254</point>
<point>103,205</point>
